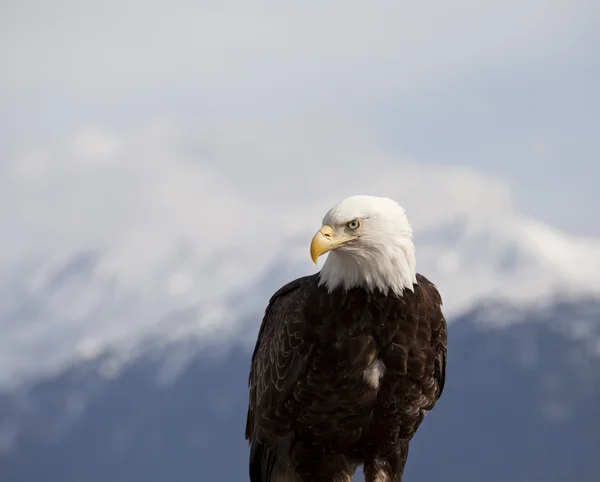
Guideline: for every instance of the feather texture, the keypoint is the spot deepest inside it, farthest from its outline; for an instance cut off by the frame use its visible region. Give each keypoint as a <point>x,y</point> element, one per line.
<point>312,414</point>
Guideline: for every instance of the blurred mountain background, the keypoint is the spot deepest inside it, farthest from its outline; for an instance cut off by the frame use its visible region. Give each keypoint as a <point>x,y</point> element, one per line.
<point>163,167</point>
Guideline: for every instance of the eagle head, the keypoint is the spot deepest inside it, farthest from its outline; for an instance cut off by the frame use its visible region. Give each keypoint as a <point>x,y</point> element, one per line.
<point>370,245</point>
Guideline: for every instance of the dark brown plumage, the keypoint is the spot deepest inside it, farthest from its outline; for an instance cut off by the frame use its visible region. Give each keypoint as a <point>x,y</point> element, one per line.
<point>313,413</point>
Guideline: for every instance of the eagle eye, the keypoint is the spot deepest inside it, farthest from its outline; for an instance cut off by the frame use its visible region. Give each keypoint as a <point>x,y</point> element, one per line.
<point>355,223</point>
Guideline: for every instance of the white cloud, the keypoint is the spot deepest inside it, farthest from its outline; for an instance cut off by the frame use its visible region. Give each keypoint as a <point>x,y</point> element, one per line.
<point>168,226</point>
<point>446,77</point>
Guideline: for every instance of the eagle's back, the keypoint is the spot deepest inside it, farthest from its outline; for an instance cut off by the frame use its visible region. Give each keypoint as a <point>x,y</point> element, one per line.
<point>343,377</point>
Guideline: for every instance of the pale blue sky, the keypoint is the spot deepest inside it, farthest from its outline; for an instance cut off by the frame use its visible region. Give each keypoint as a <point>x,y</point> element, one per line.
<point>508,88</point>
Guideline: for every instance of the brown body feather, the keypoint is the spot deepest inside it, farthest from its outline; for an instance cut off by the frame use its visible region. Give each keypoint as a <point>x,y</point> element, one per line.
<point>313,416</point>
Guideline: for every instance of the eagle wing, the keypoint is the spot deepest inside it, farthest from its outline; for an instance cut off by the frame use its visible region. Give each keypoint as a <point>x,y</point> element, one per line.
<point>280,356</point>
<point>431,307</point>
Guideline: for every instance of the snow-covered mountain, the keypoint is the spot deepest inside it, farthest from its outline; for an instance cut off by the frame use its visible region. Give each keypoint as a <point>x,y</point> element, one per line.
<point>134,270</point>
<point>110,241</point>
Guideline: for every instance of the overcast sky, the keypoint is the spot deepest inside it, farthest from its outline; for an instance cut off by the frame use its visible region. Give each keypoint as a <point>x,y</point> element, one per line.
<point>158,157</point>
<point>508,87</point>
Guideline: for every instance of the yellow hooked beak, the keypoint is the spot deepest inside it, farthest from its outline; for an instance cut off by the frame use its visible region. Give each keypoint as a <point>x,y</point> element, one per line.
<point>325,241</point>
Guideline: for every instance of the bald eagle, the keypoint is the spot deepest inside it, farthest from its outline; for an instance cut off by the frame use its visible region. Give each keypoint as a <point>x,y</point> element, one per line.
<point>348,361</point>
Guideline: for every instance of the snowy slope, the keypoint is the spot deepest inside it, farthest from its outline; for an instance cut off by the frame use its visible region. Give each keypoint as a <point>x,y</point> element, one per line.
<point>169,233</point>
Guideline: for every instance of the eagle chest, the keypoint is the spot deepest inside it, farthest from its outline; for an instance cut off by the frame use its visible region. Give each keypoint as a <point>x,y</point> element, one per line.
<point>358,345</point>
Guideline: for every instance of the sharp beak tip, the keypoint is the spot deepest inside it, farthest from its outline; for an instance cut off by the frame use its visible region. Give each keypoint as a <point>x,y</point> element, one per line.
<point>319,245</point>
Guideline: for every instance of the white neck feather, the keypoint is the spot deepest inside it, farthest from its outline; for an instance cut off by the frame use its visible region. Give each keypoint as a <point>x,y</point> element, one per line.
<point>385,267</point>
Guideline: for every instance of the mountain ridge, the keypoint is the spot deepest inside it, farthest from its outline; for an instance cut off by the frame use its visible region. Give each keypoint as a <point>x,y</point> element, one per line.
<point>78,291</point>
<point>158,231</point>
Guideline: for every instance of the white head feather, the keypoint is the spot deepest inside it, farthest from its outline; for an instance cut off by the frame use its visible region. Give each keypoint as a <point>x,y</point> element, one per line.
<point>383,255</point>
